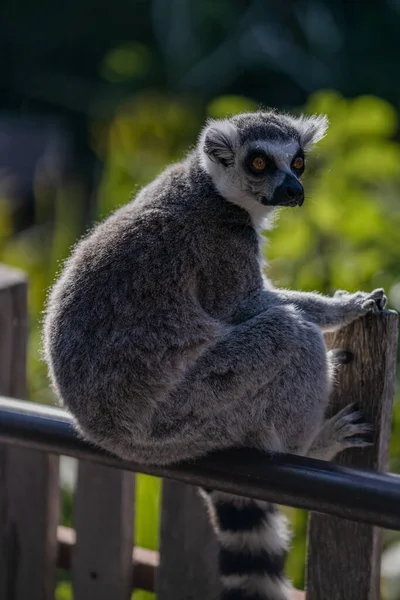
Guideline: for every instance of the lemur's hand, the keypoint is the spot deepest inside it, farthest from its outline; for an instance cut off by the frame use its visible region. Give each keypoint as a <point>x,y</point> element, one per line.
<point>363,302</point>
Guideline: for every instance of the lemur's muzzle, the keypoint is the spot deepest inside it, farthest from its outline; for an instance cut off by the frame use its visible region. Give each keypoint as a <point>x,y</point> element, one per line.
<point>289,193</point>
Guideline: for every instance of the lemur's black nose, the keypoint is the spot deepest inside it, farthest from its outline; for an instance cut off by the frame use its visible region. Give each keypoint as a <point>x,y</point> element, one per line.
<point>294,191</point>
<point>289,193</point>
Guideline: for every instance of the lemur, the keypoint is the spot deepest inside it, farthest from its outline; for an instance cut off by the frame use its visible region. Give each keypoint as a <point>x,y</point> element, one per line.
<point>166,342</point>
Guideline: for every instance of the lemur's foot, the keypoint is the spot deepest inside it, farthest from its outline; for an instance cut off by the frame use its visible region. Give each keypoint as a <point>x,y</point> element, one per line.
<point>364,302</point>
<point>349,428</point>
<point>346,429</point>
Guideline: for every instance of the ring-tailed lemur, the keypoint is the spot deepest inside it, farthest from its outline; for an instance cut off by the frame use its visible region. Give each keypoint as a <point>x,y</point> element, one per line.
<point>165,342</point>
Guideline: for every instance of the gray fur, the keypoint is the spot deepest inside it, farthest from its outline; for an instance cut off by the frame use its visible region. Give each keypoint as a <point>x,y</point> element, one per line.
<point>164,339</point>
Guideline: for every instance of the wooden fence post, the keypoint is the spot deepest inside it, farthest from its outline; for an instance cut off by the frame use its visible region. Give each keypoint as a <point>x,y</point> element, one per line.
<point>343,556</point>
<point>29,491</point>
<point>103,519</point>
<point>188,549</point>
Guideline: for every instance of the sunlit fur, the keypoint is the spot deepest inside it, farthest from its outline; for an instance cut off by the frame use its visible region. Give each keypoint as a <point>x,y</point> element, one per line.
<point>224,144</point>
<point>165,340</point>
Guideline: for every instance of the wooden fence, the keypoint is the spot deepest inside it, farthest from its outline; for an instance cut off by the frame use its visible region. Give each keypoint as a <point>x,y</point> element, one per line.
<point>348,500</point>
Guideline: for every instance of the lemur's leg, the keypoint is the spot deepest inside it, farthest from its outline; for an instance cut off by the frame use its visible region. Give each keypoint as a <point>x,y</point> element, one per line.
<point>266,384</point>
<point>263,384</point>
<point>332,313</point>
<point>346,429</point>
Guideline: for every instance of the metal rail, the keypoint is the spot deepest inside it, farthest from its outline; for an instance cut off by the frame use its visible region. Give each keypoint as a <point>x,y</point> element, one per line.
<point>358,495</point>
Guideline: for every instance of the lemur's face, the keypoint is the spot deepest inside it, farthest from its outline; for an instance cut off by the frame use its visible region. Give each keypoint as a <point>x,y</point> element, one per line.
<point>270,171</point>
<point>257,159</point>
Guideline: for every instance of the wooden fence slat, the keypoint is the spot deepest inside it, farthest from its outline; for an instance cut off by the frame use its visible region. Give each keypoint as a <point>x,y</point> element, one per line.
<point>188,549</point>
<point>103,519</point>
<point>144,561</point>
<point>344,556</point>
<point>29,490</point>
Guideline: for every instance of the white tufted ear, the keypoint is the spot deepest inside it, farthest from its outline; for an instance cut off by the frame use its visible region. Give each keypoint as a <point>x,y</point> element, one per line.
<point>218,140</point>
<point>311,129</point>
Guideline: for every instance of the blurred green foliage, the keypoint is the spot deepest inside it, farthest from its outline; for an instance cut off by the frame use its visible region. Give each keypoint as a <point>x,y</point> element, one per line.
<point>347,235</point>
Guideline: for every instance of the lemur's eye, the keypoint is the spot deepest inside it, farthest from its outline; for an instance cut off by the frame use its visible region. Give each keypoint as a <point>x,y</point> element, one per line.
<point>298,163</point>
<point>259,163</point>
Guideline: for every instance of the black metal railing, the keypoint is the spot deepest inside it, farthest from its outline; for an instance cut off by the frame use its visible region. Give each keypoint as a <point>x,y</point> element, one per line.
<point>359,495</point>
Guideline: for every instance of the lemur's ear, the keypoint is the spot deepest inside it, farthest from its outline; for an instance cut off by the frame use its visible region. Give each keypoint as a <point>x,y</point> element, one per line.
<point>311,129</point>
<point>217,141</point>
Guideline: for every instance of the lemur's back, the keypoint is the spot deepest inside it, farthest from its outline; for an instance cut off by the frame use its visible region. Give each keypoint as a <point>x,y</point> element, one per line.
<point>123,322</point>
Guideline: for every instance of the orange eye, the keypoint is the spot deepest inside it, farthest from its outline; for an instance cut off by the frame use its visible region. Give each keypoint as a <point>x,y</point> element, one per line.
<point>259,163</point>
<point>298,162</point>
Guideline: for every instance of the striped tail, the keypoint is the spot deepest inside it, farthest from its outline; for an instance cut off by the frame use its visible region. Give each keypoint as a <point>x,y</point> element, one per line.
<point>254,540</point>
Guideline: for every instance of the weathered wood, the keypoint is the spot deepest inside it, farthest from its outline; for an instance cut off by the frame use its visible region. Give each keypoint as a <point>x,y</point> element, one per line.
<point>344,556</point>
<point>28,479</point>
<point>144,561</point>
<point>188,549</point>
<point>103,519</point>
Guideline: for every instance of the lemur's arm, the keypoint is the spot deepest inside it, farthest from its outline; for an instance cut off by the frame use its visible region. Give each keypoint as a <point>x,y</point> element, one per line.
<point>330,313</point>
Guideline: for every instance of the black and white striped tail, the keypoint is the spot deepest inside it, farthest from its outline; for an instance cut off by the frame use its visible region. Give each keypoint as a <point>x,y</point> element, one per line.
<point>254,540</point>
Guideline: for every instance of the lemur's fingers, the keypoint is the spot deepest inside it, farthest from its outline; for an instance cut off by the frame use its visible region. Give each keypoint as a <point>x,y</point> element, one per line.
<point>374,301</point>
<point>370,306</point>
<point>351,428</point>
<point>351,412</point>
<point>359,441</point>
<point>346,429</point>
<point>379,296</point>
